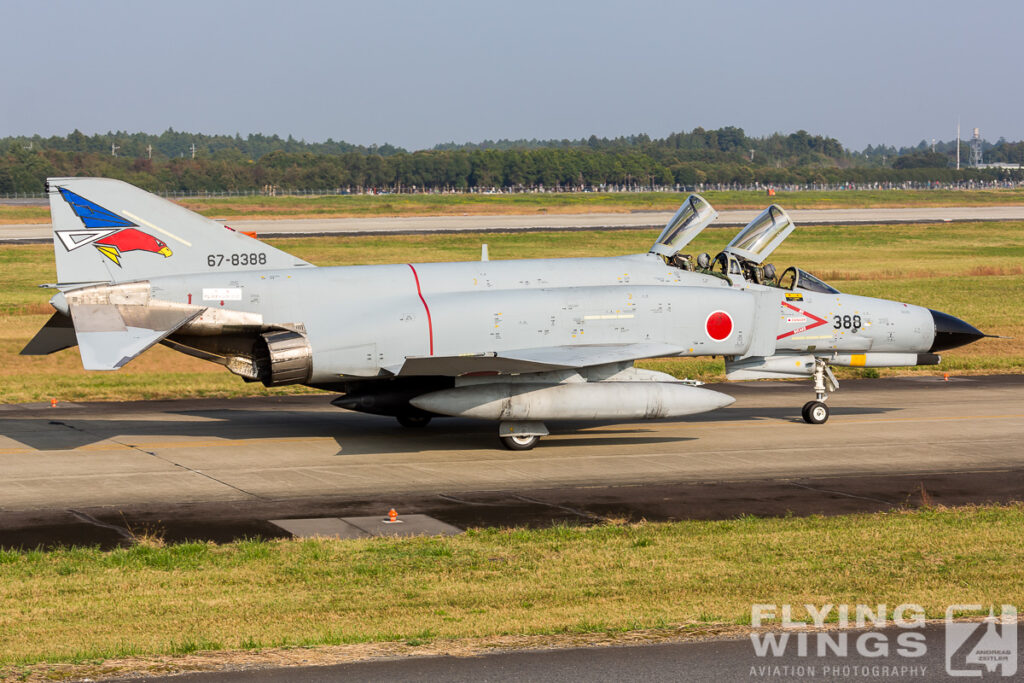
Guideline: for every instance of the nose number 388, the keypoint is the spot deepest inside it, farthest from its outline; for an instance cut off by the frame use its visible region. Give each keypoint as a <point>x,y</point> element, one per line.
<point>846,322</point>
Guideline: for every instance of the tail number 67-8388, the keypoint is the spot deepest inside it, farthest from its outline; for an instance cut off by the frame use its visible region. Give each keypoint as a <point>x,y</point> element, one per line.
<point>253,259</point>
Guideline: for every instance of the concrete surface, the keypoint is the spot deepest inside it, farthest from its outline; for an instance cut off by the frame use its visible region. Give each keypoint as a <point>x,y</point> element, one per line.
<point>314,527</point>
<point>366,527</point>
<point>608,221</point>
<point>264,450</point>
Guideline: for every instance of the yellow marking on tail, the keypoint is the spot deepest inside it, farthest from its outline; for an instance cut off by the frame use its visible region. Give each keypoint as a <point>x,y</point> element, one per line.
<point>110,252</point>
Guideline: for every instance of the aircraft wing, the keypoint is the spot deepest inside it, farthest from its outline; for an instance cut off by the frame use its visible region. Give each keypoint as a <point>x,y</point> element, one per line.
<point>540,359</point>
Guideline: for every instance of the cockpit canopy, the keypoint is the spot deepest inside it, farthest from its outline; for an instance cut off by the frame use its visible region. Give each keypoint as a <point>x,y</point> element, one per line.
<point>692,217</point>
<point>743,260</point>
<point>762,235</point>
<point>794,278</point>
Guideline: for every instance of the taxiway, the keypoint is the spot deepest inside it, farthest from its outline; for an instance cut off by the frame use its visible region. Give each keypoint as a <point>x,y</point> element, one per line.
<point>219,469</point>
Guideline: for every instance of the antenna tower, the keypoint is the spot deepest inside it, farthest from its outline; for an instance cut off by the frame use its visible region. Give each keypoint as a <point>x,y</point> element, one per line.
<point>958,144</point>
<point>976,149</point>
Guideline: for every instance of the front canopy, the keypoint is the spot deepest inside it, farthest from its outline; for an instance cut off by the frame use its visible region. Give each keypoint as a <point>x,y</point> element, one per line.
<point>692,217</point>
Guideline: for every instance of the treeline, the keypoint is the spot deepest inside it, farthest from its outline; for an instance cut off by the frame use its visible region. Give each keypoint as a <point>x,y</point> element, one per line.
<point>724,145</point>
<point>172,144</point>
<point>257,162</point>
<point>939,154</point>
<point>1006,152</point>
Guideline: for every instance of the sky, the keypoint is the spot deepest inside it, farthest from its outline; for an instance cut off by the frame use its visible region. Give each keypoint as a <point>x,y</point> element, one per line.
<point>415,74</point>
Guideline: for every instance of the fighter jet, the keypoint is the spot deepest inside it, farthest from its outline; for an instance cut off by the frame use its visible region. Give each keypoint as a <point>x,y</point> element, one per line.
<point>519,342</point>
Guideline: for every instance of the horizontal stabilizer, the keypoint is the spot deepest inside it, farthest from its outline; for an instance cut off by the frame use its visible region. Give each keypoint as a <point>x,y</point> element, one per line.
<point>106,342</point>
<point>56,335</point>
<point>539,359</point>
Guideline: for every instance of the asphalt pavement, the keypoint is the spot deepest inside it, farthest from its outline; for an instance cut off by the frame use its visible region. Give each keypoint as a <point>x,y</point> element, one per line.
<point>221,469</point>
<point>872,655</point>
<point>635,220</point>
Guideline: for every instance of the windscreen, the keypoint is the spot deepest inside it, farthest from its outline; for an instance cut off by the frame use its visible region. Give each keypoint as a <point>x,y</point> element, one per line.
<point>693,216</point>
<point>812,284</point>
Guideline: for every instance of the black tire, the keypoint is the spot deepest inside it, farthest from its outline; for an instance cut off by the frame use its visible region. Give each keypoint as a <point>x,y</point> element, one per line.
<point>414,421</point>
<point>519,443</point>
<point>815,413</point>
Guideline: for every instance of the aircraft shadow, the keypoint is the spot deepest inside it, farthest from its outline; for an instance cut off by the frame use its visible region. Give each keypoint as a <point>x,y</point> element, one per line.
<point>785,413</point>
<point>70,431</point>
<point>354,433</point>
<point>449,441</point>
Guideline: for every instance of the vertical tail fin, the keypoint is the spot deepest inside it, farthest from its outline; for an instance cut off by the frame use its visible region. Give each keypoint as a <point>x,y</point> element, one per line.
<point>109,231</point>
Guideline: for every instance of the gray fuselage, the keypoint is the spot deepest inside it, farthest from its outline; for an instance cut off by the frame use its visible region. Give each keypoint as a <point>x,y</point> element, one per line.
<point>361,320</point>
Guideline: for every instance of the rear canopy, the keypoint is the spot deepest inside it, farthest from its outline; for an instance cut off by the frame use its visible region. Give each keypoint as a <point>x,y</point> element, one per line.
<point>762,235</point>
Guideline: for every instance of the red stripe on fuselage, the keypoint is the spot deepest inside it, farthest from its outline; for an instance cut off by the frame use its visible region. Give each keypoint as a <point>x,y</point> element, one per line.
<point>419,293</point>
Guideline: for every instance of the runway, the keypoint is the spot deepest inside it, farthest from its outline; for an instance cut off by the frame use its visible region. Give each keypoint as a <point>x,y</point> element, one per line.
<point>880,657</point>
<point>637,220</point>
<point>218,469</point>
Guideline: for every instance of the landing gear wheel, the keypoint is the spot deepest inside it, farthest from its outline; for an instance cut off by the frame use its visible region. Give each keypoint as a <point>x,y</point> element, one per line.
<point>414,421</point>
<point>815,413</point>
<point>519,443</point>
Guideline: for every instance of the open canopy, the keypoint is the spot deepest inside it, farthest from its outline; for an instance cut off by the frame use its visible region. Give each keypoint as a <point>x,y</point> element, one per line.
<point>692,217</point>
<point>762,235</point>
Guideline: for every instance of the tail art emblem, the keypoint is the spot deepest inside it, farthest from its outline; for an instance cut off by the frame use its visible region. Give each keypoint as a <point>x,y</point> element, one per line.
<point>111,234</point>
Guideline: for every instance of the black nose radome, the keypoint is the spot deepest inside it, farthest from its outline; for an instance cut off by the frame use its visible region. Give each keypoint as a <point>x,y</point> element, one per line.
<point>952,332</point>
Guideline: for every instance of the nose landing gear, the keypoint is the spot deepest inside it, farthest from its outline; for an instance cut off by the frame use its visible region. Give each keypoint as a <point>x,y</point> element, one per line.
<point>816,412</point>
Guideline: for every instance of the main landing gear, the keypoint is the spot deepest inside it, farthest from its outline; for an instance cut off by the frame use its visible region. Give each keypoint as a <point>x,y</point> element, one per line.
<point>413,421</point>
<point>515,436</point>
<point>521,436</point>
<point>519,442</point>
<point>816,412</point>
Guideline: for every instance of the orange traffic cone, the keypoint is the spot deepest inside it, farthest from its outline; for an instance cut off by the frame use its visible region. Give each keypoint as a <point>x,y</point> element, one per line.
<point>945,377</point>
<point>392,515</point>
<point>53,403</point>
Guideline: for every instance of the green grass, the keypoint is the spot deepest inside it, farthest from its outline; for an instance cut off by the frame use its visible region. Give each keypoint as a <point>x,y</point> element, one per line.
<point>83,604</point>
<point>974,271</point>
<point>578,202</point>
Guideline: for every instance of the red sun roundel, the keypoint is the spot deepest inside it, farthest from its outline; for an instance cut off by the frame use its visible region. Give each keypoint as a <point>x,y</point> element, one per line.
<point>718,325</point>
